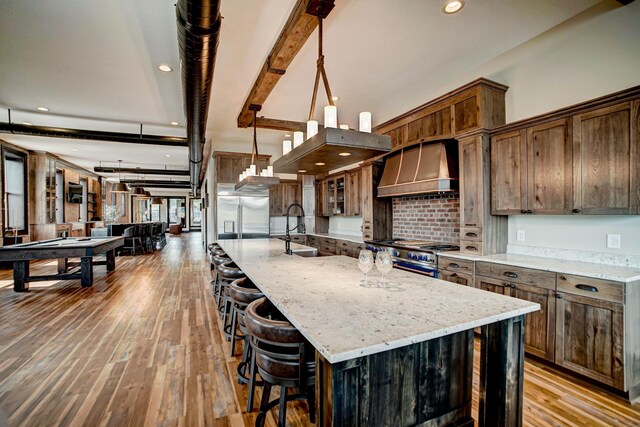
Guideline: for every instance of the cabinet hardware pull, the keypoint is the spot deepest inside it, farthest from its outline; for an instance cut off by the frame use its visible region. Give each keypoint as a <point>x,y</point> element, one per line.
<point>523,211</point>
<point>563,278</point>
<point>587,288</point>
<point>470,225</point>
<point>454,275</point>
<point>471,248</point>
<point>472,234</point>
<point>559,296</point>
<point>576,211</point>
<point>529,211</point>
<point>510,274</point>
<point>454,265</point>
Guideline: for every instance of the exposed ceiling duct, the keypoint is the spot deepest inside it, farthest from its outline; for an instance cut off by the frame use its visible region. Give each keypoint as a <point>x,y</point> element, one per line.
<point>198,34</point>
<point>167,172</point>
<point>428,167</point>
<point>95,135</point>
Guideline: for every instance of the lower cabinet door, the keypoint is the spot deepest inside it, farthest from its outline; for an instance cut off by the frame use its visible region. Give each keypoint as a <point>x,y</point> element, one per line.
<point>493,285</point>
<point>589,338</point>
<point>540,325</point>
<point>456,277</point>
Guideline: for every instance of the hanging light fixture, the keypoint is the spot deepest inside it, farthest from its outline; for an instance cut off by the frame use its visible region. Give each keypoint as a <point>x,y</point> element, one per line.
<point>119,187</point>
<point>138,192</point>
<point>156,200</point>
<point>252,180</point>
<point>324,149</point>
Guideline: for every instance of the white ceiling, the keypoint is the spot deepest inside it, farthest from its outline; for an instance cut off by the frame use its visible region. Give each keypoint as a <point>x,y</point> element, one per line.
<point>94,64</point>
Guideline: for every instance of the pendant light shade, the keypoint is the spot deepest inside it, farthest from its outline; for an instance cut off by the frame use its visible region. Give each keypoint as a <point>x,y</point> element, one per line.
<point>138,191</point>
<point>119,187</point>
<point>156,200</point>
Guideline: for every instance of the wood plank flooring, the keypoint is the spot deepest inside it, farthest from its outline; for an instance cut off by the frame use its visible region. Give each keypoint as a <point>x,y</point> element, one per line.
<point>143,347</point>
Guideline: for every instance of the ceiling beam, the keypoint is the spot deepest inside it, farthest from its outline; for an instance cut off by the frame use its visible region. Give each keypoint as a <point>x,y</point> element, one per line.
<point>277,124</point>
<point>625,2</point>
<point>159,183</point>
<point>95,135</point>
<point>115,169</point>
<point>294,35</point>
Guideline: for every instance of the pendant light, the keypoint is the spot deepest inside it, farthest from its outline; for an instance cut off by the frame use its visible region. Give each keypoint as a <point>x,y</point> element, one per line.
<point>252,180</point>
<point>156,200</point>
<point>119,187</point>
<point>138,192</point>
<point>334,145</point>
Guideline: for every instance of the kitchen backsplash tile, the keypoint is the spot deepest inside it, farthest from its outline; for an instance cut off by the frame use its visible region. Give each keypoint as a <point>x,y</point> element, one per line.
<point>429,216</point>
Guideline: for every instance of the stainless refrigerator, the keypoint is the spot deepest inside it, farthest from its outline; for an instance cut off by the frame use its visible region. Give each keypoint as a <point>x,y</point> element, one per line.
<point>241,216</point>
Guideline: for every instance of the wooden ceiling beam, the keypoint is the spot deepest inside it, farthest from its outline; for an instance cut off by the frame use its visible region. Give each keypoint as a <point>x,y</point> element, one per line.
<point>277,124</point>
<point>294,35</point>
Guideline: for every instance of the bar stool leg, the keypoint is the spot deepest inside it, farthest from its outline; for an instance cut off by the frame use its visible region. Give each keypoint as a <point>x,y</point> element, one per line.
<point>264,404</point>
<point>252,381</point>
<point>282,410</point>
<point>234,318</point>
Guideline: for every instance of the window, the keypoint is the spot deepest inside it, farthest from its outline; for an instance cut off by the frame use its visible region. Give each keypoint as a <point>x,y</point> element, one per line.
<point>15,191</point>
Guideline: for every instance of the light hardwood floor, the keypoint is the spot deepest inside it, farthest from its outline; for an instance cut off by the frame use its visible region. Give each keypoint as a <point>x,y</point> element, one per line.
<point>143,347</point>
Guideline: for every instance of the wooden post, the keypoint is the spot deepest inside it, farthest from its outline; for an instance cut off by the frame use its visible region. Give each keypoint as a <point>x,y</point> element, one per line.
<point>501,373</point>
<point>111,260</point>
<point>62,265</point>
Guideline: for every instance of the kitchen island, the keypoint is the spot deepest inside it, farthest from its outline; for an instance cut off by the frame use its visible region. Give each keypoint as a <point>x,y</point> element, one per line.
<point>399,356</point>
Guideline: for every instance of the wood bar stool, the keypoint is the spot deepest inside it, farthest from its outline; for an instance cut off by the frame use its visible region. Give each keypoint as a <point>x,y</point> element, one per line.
<point>283,358</point>
<point>215,283</point>
<point>227,273</point>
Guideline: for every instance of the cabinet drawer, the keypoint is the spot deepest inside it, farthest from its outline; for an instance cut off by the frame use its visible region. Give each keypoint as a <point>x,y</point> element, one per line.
<point>328,241</point>
<point>507,273</point>
<point>472,234</point>
<point>592,288</point>
<point>456,277</point>
<point>470,247</point>
<point>453,264</point>
<point>299,239</point>
<point>312,241</point>
<point>343,244</point>
<point>328,249</point>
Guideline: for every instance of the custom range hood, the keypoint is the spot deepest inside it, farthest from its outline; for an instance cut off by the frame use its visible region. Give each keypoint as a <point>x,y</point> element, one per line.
<point>330,149</point>
<point>427,167</point>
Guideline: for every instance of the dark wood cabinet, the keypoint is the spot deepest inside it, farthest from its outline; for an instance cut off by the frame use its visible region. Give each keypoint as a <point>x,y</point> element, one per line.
<point>531,170</point>
<point>376,211</point>
<point>508,173</point>
<point>589,338</point>
<point>456,277</point>
<point>606,145</point>
<point>281,196</point>
<point>493,285</point>
<point>322,199</point>
<point>480,232</point>
<point>230,165</point>
<point>353,206</point>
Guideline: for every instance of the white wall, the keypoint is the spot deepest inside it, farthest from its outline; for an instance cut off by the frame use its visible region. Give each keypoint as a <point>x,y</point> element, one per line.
<point>594,54</point>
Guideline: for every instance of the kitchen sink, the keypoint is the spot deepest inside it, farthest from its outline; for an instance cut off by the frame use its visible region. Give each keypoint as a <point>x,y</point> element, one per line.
<point>306,253</point>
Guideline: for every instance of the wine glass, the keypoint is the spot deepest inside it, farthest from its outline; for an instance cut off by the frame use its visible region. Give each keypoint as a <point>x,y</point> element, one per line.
<point>365,263</point>
<point>384,264</point>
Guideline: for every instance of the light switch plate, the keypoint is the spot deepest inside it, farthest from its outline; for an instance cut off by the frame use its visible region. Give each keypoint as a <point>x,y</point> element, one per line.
<point>520,236</point>
<point>613,241</point>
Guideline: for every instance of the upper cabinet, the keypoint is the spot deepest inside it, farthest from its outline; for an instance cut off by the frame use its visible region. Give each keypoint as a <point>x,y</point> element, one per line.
<point>230,165</point>
<point>575,161</point>
<point>477,105</point>
<point>283,195</point>
<point>606,160</point>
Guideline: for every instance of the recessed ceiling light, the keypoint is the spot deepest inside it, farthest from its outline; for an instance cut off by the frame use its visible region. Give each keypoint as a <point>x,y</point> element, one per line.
<point>27,123</point>
<point>42,109</point>
<point>344,154</point>
<point>288,135</point>
<point>453,6</point>
<point>319,164</point>
<point>165,68</point>
<point>174,123</point>
<point>335,98</point>
<point>302,171</point>
<point>74,149</point>
<point>167,155</point>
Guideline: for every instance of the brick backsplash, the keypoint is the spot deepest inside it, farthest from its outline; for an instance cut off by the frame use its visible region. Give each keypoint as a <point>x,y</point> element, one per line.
<point>430,216</point>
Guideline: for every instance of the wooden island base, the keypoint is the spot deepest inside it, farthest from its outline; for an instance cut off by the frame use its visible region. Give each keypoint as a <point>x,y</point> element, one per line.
<point>427,383</point>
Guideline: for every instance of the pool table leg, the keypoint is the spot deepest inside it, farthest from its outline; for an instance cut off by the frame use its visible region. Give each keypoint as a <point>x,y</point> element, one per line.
<point>111,260</point>
<point>86,271</point>
<point>20,276</point>
<point>62,265</point>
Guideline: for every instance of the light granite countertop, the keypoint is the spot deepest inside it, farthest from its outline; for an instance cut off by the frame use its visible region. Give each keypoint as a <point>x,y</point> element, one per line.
<point>343,320</point>
<point>347,237</point>
<point>587,269</point>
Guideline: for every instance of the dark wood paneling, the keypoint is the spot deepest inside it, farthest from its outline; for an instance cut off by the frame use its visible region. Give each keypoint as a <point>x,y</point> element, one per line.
<point>471,178</point>
<point>540,326</point>
<point>466,114</point>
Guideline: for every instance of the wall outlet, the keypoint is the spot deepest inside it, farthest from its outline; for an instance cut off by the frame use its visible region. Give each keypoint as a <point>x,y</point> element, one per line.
<point>520,236</point>
<point>613,241</point>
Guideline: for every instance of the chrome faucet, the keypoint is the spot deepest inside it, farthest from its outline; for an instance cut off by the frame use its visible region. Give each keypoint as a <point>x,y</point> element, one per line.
<point>287,238</point>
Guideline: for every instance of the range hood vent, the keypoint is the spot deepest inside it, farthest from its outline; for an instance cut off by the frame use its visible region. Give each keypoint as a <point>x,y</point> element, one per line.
<point>428,167</point>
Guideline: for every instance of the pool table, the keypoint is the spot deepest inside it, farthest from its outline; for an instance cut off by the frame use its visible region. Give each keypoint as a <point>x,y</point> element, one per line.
<point>61,249</point>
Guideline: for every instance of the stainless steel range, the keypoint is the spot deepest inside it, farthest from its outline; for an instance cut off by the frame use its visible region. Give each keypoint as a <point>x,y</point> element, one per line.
<point>418,256</point>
